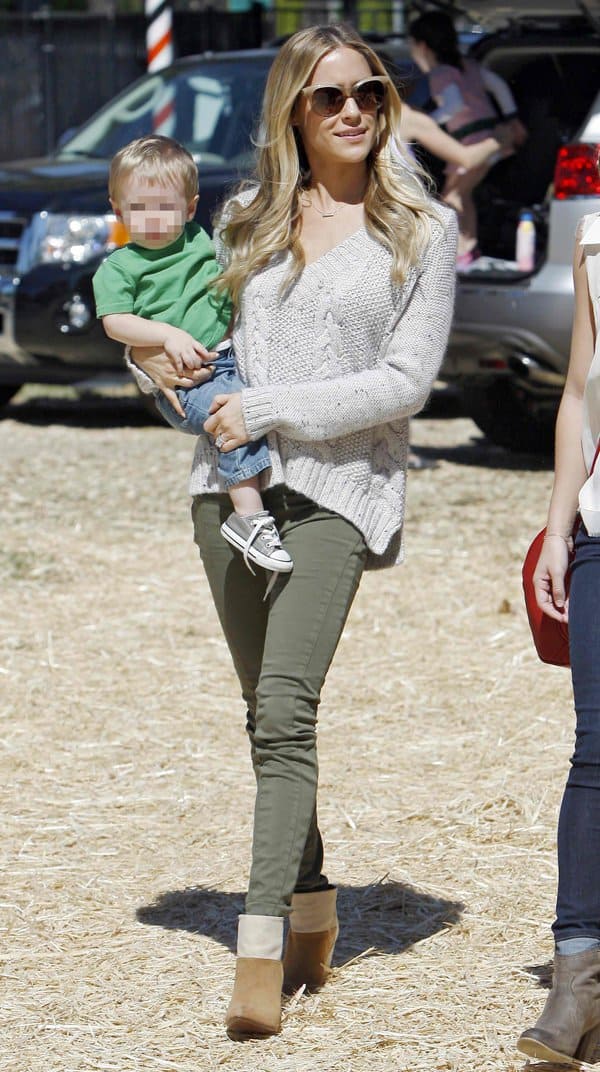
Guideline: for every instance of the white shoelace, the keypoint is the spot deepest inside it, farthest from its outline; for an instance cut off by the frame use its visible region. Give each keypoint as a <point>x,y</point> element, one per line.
<point>260,524</point>
<point>270,583</point>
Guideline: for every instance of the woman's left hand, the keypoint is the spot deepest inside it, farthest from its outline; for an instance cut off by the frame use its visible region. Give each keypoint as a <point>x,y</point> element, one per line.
<point>227,422</point>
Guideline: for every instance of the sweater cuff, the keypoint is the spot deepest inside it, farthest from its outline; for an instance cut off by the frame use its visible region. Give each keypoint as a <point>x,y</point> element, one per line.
<point>146,385</point>
<point>257,410</point>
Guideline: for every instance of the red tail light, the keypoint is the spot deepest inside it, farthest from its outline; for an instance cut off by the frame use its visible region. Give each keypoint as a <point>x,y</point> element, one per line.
<point>577,171</point>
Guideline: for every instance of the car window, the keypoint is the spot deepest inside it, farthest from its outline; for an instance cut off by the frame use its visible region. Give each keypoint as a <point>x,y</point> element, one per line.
<point>212,108</point>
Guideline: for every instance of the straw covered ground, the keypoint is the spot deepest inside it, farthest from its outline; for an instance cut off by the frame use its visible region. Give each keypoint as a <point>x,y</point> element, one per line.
<point>126,789</point>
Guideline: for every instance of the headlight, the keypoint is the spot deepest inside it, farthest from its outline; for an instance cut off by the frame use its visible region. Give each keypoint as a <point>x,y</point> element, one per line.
<point>53,238</point>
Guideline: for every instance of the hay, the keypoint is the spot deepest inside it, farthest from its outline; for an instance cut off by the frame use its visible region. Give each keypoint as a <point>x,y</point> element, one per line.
<point>127,792</point>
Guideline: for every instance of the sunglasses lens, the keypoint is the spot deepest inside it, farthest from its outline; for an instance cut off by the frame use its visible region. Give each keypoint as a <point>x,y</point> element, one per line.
<point>370,96</point>
<point>327,100</point>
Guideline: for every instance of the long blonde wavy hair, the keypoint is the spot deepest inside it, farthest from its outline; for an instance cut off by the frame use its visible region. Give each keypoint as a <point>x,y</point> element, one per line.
<point>398,210</point>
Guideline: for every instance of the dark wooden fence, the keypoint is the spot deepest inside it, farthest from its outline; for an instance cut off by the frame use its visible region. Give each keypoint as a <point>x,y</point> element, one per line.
<point>56,69</point>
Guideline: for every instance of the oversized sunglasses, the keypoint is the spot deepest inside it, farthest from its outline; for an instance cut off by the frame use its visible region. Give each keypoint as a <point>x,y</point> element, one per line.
<point>369,96</point>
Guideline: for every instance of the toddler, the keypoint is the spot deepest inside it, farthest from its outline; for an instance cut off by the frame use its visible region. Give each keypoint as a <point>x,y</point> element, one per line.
<point>156,292</point>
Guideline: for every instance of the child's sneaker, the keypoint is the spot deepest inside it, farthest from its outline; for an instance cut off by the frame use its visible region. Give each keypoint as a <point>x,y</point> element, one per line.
<point>256,536</point>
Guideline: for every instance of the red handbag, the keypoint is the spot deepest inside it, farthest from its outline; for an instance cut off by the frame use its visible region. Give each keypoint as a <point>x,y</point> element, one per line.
<point>551,638</point>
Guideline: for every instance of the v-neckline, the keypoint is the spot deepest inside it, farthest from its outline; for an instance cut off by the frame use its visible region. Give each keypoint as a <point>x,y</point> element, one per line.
<point>359,231</point>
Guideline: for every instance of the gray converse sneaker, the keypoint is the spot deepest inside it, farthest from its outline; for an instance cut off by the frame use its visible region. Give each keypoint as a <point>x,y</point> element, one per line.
<point>256,536</point>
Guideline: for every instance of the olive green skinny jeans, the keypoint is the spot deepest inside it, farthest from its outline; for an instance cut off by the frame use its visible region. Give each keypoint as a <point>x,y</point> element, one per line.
<point>282,650</point>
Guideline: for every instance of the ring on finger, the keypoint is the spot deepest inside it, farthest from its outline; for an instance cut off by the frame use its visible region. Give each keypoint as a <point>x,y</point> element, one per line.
<point>220,440</point>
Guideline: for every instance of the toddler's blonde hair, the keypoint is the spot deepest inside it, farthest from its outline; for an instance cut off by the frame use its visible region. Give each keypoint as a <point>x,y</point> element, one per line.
<point>156,159</point>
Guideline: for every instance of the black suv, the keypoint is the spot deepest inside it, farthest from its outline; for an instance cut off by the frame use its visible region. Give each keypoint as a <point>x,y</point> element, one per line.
<point>55,219</point>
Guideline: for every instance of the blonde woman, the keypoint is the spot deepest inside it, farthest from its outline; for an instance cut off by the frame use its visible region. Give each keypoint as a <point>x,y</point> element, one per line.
<point>341,270</point>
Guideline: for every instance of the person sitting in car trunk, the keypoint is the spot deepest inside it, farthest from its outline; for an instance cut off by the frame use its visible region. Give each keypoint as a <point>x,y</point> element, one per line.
<point>464,94</point>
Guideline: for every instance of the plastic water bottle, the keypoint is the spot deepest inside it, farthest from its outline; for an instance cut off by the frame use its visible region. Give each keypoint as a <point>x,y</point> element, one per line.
<point>525,246</point>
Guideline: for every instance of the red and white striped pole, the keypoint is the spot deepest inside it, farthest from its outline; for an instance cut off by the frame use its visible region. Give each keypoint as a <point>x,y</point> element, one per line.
<point>160,53</point>
<point>159,34</point>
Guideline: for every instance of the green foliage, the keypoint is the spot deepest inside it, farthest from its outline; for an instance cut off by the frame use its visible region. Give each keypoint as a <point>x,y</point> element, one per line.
<point>367,15</point>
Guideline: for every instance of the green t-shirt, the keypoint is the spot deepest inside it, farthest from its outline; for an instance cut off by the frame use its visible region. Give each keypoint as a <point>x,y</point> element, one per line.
<point>168,284</point>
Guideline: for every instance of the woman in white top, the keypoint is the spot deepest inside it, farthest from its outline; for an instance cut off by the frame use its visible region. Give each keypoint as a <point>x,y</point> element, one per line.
<point>569,1027</point>
<point>341,269</point>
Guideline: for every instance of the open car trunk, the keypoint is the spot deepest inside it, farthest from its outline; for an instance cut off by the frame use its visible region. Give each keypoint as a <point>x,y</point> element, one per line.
<point>549,53</point>
<point>494,14</point>
<point>555,87</point>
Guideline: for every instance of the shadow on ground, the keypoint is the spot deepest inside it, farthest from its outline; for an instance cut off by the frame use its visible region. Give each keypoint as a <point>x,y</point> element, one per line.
<point>387,917</point>
<point>445,404</point>
<point>84,411</point>
<point>480,452</point>
<point>94,410</point>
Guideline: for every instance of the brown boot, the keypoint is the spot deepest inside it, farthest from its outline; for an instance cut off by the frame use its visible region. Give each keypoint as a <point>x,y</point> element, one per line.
<point>568,1030</point>
<point>255,1007</point>
<point>311,939</point>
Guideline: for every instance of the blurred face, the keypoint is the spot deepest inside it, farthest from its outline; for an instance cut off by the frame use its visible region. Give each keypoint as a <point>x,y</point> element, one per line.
<point>154,214</point>
<point>348,136</point>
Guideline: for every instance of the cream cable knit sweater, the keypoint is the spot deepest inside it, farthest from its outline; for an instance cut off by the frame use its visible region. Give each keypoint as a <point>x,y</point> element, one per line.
<point>334,370</point>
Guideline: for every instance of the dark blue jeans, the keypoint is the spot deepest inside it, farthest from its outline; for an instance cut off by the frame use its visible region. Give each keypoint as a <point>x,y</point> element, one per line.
<point>236,465</point>
<point>578,901</point>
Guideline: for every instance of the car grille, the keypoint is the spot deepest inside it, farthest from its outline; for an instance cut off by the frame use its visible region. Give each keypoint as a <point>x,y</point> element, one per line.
<point>11,229</point>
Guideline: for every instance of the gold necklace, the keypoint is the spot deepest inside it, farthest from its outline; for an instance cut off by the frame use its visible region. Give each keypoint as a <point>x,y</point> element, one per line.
<point>309,203</point>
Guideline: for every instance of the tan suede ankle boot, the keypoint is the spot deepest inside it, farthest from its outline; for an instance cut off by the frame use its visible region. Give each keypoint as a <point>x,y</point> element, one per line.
<point>568,1030</point>
<point>255,1007</point>
<point>311,939</point>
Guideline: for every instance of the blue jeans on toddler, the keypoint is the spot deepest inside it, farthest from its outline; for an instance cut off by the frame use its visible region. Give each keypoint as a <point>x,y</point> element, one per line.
<point>236,465</point>
<point>578,901</point>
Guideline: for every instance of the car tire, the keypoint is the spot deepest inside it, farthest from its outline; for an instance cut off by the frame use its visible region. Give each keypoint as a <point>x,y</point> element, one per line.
<point>8,391</point>
<point>509,417</point>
